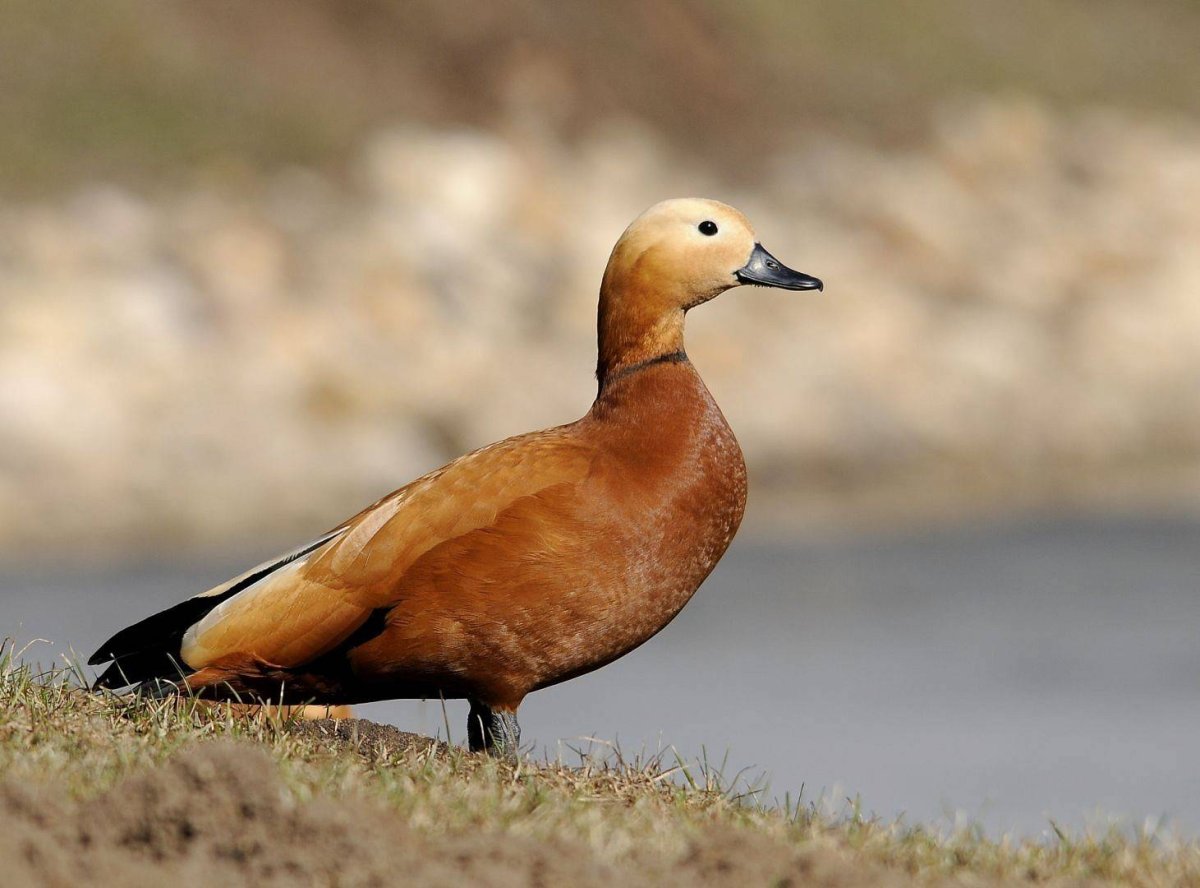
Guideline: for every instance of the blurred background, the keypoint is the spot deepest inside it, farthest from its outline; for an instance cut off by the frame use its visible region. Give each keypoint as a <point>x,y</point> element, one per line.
<point>262,263</point>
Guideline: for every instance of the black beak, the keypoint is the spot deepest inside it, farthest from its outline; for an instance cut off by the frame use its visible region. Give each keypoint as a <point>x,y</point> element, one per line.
<point>765,270</point>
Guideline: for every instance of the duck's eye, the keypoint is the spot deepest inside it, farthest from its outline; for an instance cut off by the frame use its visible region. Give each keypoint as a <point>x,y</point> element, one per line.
<point>708,227</point>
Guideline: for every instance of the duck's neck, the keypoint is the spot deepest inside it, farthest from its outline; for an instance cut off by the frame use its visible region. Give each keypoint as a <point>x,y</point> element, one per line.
<point>634,334</point>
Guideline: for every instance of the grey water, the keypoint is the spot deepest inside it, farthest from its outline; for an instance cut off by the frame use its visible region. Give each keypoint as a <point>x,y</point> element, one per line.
<point>1005,674</point>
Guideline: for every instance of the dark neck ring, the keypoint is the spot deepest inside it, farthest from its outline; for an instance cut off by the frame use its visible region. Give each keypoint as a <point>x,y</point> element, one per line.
<point>675,357</point>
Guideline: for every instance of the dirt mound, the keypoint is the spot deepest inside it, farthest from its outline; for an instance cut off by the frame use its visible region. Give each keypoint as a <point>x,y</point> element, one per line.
<point>218,813</point>
<point>723,856</point>
<point>366,738</point>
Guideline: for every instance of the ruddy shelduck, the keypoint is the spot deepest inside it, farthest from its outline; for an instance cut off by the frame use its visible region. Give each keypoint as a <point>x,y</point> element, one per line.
<point>518,566</point>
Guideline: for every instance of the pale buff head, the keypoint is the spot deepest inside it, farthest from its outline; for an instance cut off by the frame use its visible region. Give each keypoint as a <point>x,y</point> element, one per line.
<point>682,252</point>
<point>673,257</point>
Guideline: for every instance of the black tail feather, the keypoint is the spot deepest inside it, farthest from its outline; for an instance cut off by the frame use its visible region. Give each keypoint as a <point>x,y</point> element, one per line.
<point>156,632</point>
<point>136,668</point>
<point>150,648</point>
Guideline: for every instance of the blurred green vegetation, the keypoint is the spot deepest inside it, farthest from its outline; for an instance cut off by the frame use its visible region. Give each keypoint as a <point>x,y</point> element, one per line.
<point>882,61</point>
<point>122,89</point>
<point>142,90</point>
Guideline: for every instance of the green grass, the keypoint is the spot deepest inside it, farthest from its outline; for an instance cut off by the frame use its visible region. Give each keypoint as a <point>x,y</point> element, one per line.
<point>626,812</point>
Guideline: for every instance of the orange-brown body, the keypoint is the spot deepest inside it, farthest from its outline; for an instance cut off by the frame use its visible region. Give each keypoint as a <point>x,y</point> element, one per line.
<point>616,521</point>
<point>520,565</point>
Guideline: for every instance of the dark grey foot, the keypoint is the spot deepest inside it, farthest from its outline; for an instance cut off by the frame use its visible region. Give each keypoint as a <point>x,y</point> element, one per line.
<point>493,731</point>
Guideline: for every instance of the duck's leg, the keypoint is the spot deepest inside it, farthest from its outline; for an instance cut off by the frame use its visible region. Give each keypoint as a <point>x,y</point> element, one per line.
<point>493,730</point>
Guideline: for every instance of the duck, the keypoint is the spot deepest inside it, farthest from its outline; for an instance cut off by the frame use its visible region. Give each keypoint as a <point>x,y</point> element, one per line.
<point>520,565</point>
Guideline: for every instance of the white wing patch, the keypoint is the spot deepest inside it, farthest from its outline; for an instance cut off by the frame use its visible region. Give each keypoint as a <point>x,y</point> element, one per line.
<point>280,576</point>
<point>269,567</point>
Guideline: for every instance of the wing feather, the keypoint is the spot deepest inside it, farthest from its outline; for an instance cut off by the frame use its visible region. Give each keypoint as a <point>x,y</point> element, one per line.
<point>307,607</point>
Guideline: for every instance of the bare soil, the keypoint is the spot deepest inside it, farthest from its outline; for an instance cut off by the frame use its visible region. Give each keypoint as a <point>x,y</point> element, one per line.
<point>218,813</point>
<point>366,738</point>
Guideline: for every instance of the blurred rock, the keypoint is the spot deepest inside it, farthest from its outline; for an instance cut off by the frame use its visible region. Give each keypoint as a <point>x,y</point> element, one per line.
<point>1011,315</point>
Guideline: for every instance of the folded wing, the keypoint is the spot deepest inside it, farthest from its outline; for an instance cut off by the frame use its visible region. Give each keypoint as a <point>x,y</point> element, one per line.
<point>295,608</point>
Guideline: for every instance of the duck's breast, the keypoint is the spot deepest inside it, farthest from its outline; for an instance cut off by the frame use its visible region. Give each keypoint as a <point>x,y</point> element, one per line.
<point>674,479</point>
